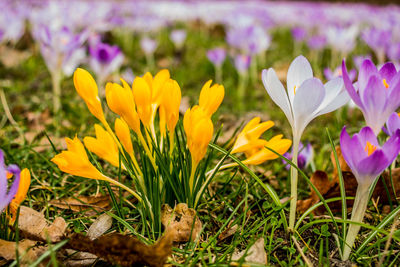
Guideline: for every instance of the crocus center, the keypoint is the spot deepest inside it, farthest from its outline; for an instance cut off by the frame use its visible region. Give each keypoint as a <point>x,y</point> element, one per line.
<point>294,89</point>
<point>369,148</point>
<point>398,114</point>
<point>385,83</point>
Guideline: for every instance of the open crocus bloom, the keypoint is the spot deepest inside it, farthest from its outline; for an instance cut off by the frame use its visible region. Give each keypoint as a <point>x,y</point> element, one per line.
<point>365,157</point>
<point>306,97</point>
<point>377,93</point>
<point>6,197</point>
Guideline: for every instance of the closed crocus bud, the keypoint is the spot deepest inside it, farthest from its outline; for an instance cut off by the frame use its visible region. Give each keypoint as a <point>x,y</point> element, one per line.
<point>103,145</point>
<point>158,86</point>
<point>123,133</point>
<point>86,87</point>
<point>211,97</point>
<point>169,107</point>
<point>120,100</point>
<point>76,162</point>
<point>142,97</point>
<point>199,130</point>
<point>24,184</point>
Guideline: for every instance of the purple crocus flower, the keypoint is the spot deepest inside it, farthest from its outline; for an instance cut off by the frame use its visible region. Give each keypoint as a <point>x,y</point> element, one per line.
<point>178,37</point>
<point>242,63</point>
<point>148,45</point>
<point>299,34</point>
<point>377,93</point>
<point>329,74</point>
<point>392,124</point>
<point>216,56</point>
<point>317,42</point>
<point>6,197</point>
<point>358,60</point>
<point>105,59</point>
<point>304,157</point>
<point>367,160</point>
<point>378,40</point>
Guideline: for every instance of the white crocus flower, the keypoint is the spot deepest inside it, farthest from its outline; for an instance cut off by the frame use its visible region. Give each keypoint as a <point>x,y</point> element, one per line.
<point>306,98</point>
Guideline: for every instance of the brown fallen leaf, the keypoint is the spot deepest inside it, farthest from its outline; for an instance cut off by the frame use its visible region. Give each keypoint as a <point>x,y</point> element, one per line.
<point>330,188</point>
<point>33,225</point>
<point>12,57</point>
<point>99,226</point>
<point>255,254</point>
<point>228,232</point>
<point>79,259</point>
<point>183,220</point>
<point>125,250</point>
<point>90,204</point>
<point>28,249</point>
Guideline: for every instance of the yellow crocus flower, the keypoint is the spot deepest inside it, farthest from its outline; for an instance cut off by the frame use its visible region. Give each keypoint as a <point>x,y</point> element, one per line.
<point>76,162</point>
<point>86,87</point>
<point>263,154</point>
<point>24,184</point>
<point>103,145</point>
<point>249,138</point>
<point>169,106</point>
<point>124,136</point>
<point>199,130</point>
<point>120,101</point>
<point>211,97</point>
<point>157,86</point>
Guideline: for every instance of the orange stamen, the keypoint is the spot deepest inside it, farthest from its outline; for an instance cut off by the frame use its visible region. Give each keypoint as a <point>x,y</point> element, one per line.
<point>294,89</point>
<point>385,83</point>
<point>369,148</point>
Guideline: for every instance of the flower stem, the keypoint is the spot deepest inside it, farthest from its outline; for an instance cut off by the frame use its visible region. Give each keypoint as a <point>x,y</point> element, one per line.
<point>56,80</point>
<point>293,183</point>
<point>191,179</point>
<point>218,74</point>
<point>357,215</point>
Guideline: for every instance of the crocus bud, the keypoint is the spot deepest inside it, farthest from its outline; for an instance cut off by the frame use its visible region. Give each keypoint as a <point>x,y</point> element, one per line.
<point>199,130</point>
<point>169,106</point>
<point>142,97</point>
<point>211,97</point>
<point>86,87</point>
<point>103,145</point>
<point>124,136</point>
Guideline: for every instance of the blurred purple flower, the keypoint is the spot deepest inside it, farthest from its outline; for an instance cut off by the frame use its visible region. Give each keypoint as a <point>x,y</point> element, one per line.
<point>299,34</point>
<point>105,59</point>
<point>216,56</point>
<point>178,37</point>
<point>378,40</point>
<point>358,60</point>
<point>342,38</point>
<point>249,40</point>
<point>242,63</point>
<point>148,45</point>
<point>316,42</point>
<point>6,197</point>
<point>304,157</point>
<point>329,74</point>
<point>377,93</point>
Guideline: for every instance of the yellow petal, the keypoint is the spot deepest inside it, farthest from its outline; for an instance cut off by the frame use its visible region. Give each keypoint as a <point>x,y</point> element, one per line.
<point>124,136</point>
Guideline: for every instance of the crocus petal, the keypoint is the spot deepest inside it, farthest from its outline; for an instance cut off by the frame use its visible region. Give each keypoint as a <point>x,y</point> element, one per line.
<point>388,71</point>
<point>277,92</point>
<point>299,71</point>
<point>367,69</point>
<point>394,96</point>
<point>349,87</point>
<point>372,166</point>
<point>393,123</point>
<point>341,99</point>
<point>308,98</point>
<point>367,135</point>
<point>392,146</point>
<point>351,149</point>
<point>336,96</point>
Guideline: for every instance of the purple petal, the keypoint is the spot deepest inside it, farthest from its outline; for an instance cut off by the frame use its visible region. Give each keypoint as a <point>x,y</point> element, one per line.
<point>388,71</point>
<point>373,165</point>
<point>374,96</point>
<point>351,148</point>
<point>393,123</point>
<point>350,88</point>
<point>367,69</point>
<point>392,146</point>
<point>367,135</point>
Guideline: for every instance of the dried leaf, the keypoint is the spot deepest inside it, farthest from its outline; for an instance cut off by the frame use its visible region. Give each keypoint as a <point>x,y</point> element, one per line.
<point>255,254</point>
<point>79,258</point>
<point>183,220</point>
<point>33,225</point>
<point>91,204</point>
<point>228,232</point>
<point>99,226</point>
<point>27,248</point>
<point>125,250</point>
<point>12,57</point>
